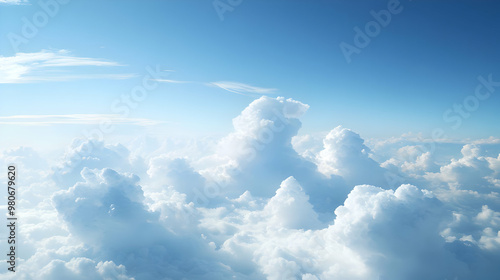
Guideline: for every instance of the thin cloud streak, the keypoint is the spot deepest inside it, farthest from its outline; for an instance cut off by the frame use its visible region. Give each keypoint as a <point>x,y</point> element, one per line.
<point>80,77</point>
<point>45,66</point>
<point>75,119</point>
<point>234,87</point>
<point>172,81</point>
<point>13,2</point>
<point>242,89</point>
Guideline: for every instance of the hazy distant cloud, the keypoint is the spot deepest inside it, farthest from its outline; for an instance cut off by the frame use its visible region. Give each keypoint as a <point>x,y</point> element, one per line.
<point>74,119</point>
<point>243,89</point>
<point>47,65</point>
<point>490,140</point>
<point>412,159</point>
<point>471,172</point>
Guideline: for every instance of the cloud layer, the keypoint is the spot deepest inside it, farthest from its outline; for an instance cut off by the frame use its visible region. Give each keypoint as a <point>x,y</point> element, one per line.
<point>260,203</point>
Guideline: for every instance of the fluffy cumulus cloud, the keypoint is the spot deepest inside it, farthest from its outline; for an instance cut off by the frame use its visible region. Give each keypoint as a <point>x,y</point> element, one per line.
<point>346,155</point>
<point>290,207</point>
<point>400,229</point>
<point>107,213</point>
<point>470,171</point>
<point>263,202</point>
<point>83,268</point>
<point>412,160</point>
<point>259,155</point>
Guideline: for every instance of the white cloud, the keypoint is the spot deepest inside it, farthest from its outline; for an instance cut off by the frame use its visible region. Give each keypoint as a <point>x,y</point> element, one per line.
<point>107,212</point>
<point>308,146</point>
<point>261,143</point>
<point>373,230</point>
<point>48,65</point>
<point>469,172</point>
<point>13,2</point>
<point>171,81</point>
<point>234,87</point>
<point>82,119</point>
<point>290,207</point>
<point>83,268</point>
<point>243,89</point>
<point>90,154</point>
<point>490,140</point>
<point>397,227</point>
<point>412,160</point>
<point>137,211</point>
<point>177,173</point>
<point>345,154</point>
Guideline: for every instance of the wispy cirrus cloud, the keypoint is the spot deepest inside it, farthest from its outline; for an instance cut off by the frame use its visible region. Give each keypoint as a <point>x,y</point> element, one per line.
<point>172,81</point>
<point>78,119</point>
<point>13,2</point>
<point>48,65</point>
<point>234,87</point>
<point>243,89</point>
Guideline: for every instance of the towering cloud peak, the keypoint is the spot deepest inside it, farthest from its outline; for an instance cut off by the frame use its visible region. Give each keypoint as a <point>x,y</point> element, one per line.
<point>266,124</point>
<point>290,207</point>
<point>346,155</point>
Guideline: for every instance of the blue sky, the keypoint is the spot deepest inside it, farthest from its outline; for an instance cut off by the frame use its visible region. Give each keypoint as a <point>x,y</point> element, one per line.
<point>251,139</point>
<point>425,60</point>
